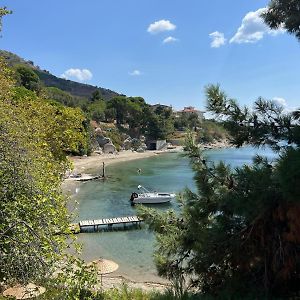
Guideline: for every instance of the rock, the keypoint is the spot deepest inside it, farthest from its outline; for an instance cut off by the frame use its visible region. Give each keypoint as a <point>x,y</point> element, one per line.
<point>102,140</point>
<point>127,144</point>
<point>109,148</point>
<point>136,143</point>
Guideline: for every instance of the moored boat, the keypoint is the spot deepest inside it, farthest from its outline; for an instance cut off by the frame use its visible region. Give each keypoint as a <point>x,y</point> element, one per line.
<point>147,197</point>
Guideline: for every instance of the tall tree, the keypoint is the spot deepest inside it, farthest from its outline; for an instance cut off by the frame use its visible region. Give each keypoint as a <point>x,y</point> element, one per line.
<point>34,138</point>
<point>284,13</point>
<point>119,104</point>
<point>239,233</point>
<point>96,96</point>
<point>28,78</point>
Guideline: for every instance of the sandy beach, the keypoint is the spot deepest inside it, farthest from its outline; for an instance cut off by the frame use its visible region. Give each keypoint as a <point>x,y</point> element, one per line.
<point>83,164</point>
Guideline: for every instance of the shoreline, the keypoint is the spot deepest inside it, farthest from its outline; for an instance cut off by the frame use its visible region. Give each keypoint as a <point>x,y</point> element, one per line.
<point>85,164</point>
<point>82,164</point>
<point>117,281</point>
<point>95,160</point>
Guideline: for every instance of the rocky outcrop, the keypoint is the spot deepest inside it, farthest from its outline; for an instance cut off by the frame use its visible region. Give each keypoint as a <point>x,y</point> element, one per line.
<point>109,148</point>
<point>134,144</point>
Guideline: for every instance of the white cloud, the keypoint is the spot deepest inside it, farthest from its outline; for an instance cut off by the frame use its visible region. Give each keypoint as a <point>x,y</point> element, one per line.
<point>280,101</point>
<point>160,26</point>
<point>218,39</point>
<point>170,39</point>
<point>135,73</point>
<point>77,74</point>
<point>253,28</point>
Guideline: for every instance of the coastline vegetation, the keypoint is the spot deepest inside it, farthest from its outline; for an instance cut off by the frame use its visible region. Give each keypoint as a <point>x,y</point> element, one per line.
<point>131,116</point>
<point>237,237</point>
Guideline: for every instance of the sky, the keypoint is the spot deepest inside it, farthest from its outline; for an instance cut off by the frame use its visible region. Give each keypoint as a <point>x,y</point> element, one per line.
<point>164,51</point>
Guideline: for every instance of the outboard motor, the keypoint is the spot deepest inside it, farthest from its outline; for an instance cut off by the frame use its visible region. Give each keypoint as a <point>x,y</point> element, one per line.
<point>132,197</point>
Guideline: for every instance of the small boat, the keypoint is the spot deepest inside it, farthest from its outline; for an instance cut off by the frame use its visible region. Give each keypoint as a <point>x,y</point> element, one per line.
<point>147,197</point>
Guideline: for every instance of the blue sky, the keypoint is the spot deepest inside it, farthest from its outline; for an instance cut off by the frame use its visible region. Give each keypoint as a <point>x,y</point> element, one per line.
<point>119,44</point>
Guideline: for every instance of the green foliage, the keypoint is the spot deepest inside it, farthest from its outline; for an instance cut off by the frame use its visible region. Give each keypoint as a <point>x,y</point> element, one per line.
<point>53,93</point>
<point>266,124</point>
<point>26,77</point>
<point>77,279</point>
<point>211,131</point>
<point>127,109</point>
<point>6,82</point>
<point>187,121</point>
<point>284,13</point>
<point>96,96</point>
<point>124,292</point>
<point>160,123</point>
<point>237,235</point>
<point>289,174</point>
<point>3,12</point>
<point>116,138</point>
<point>34,137</point>
<point>140,118</point>
<point>97,110</point>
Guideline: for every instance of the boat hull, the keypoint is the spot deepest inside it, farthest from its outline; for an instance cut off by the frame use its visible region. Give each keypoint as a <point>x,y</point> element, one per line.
<point>150,199</point>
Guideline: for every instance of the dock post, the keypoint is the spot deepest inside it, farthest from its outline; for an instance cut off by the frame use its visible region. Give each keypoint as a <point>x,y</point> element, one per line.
<point>103,170</point>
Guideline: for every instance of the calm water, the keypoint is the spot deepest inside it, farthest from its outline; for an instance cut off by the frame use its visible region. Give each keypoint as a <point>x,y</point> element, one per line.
<point>133,249</point>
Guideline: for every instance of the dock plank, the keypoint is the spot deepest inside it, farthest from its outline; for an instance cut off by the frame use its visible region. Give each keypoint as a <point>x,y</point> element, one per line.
<point>109,221</point>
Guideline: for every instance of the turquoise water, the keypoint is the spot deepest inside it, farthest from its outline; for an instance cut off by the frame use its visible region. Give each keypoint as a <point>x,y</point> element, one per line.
<point>132,249</point>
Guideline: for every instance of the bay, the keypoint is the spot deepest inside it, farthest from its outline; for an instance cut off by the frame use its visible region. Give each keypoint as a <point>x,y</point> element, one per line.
<point>133,249</point>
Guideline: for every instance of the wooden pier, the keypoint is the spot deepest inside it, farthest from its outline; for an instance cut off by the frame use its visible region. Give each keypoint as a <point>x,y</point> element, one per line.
<point>109,222</point>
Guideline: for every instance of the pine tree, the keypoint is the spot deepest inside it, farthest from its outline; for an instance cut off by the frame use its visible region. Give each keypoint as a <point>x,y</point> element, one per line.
<point>284,14</point>
<point>239,233</point>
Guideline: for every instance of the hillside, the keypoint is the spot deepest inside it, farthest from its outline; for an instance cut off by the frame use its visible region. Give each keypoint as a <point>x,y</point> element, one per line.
<point>49,80</point>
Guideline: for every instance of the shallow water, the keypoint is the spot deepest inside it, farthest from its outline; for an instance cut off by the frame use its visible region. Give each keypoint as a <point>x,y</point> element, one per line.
<point>132,249</point>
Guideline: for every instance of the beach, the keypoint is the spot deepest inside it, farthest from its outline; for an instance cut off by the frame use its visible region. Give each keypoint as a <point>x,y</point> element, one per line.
<point>82,164</point>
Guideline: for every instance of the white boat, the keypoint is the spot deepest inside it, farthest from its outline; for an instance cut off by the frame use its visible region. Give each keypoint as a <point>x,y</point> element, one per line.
<point>147,197</point>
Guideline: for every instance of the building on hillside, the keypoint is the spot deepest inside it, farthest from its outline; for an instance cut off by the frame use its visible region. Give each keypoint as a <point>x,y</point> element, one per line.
<point>191,110</point>
<point>156,144</point>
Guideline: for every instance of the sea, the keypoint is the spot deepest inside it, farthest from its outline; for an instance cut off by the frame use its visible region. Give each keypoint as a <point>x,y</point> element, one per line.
<point>133,249</point>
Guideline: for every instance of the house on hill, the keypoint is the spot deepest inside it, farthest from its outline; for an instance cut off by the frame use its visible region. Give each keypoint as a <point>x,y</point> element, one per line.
<point>188,110</point>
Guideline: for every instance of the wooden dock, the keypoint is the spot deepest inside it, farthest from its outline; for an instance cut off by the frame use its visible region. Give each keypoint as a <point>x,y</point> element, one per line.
<point>109,222</point>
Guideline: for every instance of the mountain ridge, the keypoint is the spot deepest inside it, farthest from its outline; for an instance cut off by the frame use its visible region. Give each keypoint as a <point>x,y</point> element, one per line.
<point>49,80</point>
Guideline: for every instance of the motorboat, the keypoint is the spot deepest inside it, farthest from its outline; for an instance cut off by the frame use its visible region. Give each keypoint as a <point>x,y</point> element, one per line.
<point>146,197</point>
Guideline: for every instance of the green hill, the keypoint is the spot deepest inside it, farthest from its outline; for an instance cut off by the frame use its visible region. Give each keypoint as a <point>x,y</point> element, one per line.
<point>74,88</point>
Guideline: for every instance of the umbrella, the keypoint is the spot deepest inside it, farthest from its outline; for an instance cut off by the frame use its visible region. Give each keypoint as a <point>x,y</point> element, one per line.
<point>24,292</point>
<point>104,266</point>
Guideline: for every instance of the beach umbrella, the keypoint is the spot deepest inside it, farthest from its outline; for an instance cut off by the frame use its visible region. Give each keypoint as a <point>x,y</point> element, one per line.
<point>104,266</point>
<point>24,292</point>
